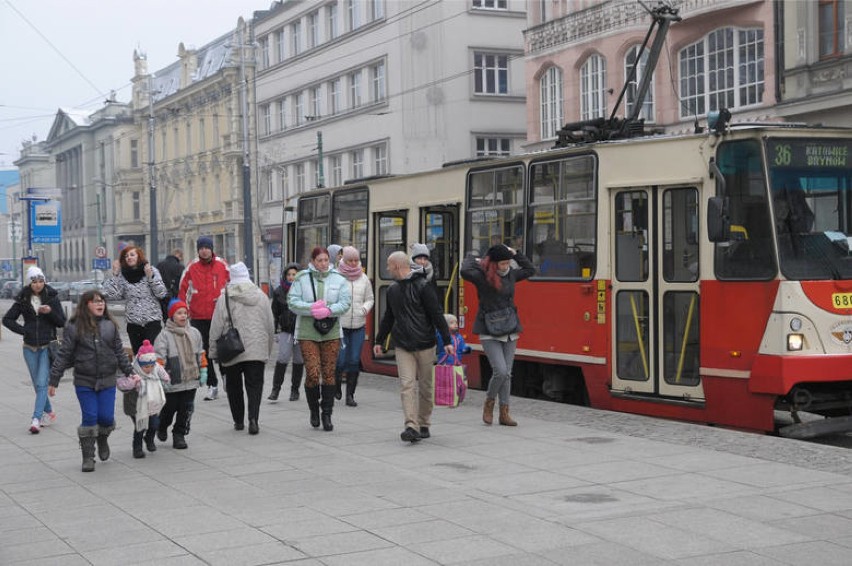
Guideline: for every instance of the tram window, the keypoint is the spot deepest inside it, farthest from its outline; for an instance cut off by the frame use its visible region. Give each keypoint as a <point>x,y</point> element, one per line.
<point>350,220</point>
<point>495,208</point>
<point>563,212</point>
<point>681,344</point>
<point>748,252</point>
<point>392,230</point>
<point>680,227</point>
<point>313,227</point>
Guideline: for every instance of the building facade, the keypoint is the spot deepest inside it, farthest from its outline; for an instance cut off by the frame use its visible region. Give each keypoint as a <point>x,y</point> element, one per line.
<point>350,89</point>
<point>578,56</point>
<point>195,146</point>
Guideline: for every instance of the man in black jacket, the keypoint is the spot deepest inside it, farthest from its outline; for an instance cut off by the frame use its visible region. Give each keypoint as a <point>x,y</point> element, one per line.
<point>412,315</point>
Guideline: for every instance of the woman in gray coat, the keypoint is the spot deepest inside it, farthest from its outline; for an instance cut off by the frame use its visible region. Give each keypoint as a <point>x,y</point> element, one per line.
<point>251,315</point>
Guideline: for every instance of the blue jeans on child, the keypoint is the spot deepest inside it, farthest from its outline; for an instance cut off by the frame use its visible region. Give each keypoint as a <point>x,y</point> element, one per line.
<point>98,407</point>
<point>38,362</point>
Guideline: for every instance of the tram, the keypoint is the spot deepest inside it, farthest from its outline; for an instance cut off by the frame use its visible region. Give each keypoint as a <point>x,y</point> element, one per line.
<point>705,277</point>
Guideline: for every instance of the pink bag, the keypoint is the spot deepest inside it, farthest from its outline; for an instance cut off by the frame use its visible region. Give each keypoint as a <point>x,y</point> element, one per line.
<point>450,385</point>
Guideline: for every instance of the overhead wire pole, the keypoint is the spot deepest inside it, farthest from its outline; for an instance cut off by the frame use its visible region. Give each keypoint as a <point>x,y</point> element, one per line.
<point>248,236</point>
<point>152,182</point>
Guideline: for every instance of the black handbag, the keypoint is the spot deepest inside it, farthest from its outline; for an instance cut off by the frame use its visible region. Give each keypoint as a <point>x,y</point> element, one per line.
<point>322,325</point>
<point>501,322</point>
<point>229,345</point>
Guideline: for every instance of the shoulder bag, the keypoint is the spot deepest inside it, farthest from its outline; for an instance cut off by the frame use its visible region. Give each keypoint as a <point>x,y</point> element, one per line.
<point>321,325</point>
<point>501,322</point>
<point>229,345</point>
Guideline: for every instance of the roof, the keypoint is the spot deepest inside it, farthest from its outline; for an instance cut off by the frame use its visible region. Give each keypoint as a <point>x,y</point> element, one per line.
<point>211,58</point>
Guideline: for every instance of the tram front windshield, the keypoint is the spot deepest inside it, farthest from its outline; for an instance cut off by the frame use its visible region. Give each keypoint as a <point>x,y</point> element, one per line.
<point>810,183</point>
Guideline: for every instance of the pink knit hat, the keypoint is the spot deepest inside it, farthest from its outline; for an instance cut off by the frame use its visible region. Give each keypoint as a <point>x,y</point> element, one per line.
<point>146,353</point>
<point>350,253</point>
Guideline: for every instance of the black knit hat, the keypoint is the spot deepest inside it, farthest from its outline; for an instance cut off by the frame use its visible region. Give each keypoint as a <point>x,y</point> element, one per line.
<point>499,253</point>
<point>204,242</point>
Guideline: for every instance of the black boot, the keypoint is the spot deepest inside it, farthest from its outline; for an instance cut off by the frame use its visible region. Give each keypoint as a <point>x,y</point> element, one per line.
<point>88,435</point>
<point>277,381</point>
<point>103,445</point>
<point>149,440</point>
<point>328,396</point>
<point>137,444</point>
<point>351,384</point>
<point>338,386</point>
<point>312,395</point>
<point>296,380</point>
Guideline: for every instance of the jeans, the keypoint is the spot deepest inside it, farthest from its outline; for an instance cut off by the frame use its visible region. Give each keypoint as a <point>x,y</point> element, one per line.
<point>349,359</point>
<point>98,407</point>
<point>38,362</point>
<point>501,356</point>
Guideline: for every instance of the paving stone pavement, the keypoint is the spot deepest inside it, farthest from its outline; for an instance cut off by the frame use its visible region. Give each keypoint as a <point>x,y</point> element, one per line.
<point>570,485</point>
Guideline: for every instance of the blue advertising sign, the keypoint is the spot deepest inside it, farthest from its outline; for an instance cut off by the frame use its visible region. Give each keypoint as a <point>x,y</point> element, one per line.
<point>46,222</point>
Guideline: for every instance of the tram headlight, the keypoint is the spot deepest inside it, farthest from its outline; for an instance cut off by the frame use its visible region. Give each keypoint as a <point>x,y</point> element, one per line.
<point>795,324</point>
<point>795,342</point>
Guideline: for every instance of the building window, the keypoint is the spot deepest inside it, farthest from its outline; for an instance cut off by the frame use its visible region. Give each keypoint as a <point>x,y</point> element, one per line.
<point>316,110</point>
<point>264,52</point>
<point>137,210</point>
<point>134,153</point>
<point>334,94</point>
<point>550,85</point>
<point>486,147</point>
<point>355,89</point>
<point>331,18</point>
<point>298,109</point>
<point>831,18</point>
<point>270,190</point>
<point>266,119</point>
<point>648,105</point>
<point>335,165</point>
<point>593,88</point>
<point>282,114</point>
<point>491,73</point>
<point>296,38</point>
<point>357,158</point>
<point>491,4</point>
<point>284,183</point>
<point>352,15</point>
<point>314,173</point>
<point>723,70</point>
<point>281,45</point>
<point>378,79</point>
<point>313,29</point>
<point>299,170</point>
<point>380,160</point>
<point>377,9</point>
<point>202,133</point>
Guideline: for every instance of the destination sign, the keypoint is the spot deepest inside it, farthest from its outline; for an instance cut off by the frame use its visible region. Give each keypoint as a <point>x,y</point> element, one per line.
<point>809,153</point>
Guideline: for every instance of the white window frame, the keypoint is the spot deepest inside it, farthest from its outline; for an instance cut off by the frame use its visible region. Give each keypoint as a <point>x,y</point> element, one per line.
<point>377,73</point>
<point>353,15</point>
<point>551,117</point>
<point>282,114</point>
<point>266,119</point>
<point>264,52</point>
<point>281,44</point>
<point>334,96</point>
<point>134,153</point>
<point>331,20</point>
<point>380,159</point>
<point>312,23</point>
<point>491,4</point>
<point>377,9</point>
<point>299,176</point>
<point>648,108</point>
<point>356,158</point>
<point>490,67</point>
<point>298,108</point>
<point>493,147</point>
<point>355,99</point>
<point>315,102</point>
<point>335,167</point>
<point>296,37</point>
<point>593,88</point>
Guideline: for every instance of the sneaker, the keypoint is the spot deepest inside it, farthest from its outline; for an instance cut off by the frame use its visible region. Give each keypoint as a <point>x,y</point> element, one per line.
<point>48,419</point>
<point>35,427</point>
<point>212,394</point>
<point>424,432</point>
<point>410,435</point>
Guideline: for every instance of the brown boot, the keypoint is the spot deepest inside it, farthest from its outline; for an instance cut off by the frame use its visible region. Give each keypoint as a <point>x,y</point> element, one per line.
<point>488,411</point>
<point>505,418</point>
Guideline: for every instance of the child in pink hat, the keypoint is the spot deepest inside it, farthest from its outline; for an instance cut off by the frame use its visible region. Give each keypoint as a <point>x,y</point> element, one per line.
<point>144,396</point>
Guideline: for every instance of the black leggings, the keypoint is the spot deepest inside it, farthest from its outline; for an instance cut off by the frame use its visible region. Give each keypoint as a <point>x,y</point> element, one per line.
<point>138,333</point>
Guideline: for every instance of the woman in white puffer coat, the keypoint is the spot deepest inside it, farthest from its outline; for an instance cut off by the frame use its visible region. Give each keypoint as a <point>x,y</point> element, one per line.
<point>353,322</point>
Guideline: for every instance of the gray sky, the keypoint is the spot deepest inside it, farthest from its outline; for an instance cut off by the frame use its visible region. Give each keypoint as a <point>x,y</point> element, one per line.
<point>72,53</point>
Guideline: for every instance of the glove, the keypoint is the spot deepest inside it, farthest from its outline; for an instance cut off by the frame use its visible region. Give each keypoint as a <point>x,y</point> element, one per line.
<point>203,377</point>
<point>319,311</point>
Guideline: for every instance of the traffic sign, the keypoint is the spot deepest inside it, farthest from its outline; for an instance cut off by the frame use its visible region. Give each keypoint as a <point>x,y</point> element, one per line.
<point>100,252</point>
<point>101,263</point>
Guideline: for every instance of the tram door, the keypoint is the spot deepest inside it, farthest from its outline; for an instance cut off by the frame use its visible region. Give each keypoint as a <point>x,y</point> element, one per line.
<point>391,231</point>
<point>439,230</point>
<point>655,292</point>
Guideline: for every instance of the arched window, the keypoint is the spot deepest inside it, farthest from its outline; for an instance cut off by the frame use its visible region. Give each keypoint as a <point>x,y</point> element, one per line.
<point>593,88</point>
<point>550,86</point>
<point>648,106</point>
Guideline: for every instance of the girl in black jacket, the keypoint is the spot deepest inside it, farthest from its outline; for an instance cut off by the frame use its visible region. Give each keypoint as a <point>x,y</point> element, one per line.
<point>39,304</point>
<point>92,346</point>
<point>285,328</point>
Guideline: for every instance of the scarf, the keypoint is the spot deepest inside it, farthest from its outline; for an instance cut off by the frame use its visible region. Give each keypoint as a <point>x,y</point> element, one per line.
<point>352,273</point>
<point>188,361</point>
<point>133,274</point>
<point>151,397</point>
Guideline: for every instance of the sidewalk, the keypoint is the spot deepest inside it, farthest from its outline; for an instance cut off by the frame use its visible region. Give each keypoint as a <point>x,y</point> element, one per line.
<point>570,485</point>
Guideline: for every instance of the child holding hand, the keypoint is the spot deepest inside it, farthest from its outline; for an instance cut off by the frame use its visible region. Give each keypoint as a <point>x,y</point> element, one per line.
<point>457,342</point>
<point>144,397</point>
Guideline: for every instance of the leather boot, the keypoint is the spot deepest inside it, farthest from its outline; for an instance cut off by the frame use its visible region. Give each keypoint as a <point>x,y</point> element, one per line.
<point>296,381</point>
<point>328,396</point>
<point>338,386</point>
<point>103,445</point>
<point>505,418</point>
<point>488,411</point>
<point>88,436</point>
<point>351,384</point>
<point>149,440</point>
<point>312,395</point>
<point>277,381</point>
<point>137,444</point>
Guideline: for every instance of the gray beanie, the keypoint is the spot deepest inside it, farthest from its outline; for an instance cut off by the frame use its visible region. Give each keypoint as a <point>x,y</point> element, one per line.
<point>333,251</point>
<point>418,250</point>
